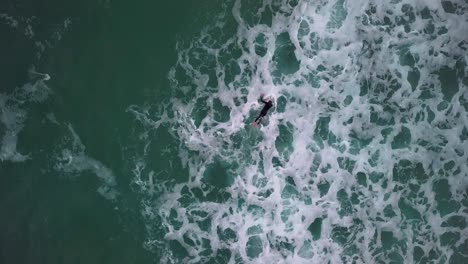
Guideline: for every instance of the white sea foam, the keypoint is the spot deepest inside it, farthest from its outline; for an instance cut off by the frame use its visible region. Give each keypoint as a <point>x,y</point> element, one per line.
<point>27,26</point>
<point>74,161</point>
<point>9,20</point>
<point>361,108</point>
<point>13,108</point>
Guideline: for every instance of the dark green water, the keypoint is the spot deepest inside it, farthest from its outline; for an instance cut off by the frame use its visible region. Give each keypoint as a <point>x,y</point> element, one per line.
<point>112,55</point>
<point>125,132</point>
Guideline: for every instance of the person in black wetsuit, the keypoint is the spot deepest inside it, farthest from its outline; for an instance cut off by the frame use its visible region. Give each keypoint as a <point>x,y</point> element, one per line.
<point>266,107</point>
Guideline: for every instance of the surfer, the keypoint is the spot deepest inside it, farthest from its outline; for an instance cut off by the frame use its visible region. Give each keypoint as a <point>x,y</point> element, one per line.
<point>266,107</point>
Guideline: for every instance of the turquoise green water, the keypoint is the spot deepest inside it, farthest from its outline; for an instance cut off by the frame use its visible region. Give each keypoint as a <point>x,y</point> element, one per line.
<point>126,138</point>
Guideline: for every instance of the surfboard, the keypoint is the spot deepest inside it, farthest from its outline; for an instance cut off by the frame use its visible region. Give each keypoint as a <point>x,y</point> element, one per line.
<point>270,97</point>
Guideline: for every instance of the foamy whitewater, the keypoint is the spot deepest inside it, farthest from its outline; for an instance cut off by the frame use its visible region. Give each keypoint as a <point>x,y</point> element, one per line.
<point>363,160</point>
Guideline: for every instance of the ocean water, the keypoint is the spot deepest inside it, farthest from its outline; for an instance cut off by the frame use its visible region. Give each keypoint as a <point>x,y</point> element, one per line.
<point>126,132</point>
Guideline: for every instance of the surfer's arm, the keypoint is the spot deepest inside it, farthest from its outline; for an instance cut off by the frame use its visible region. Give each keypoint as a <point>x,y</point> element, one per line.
<point>263,101</point>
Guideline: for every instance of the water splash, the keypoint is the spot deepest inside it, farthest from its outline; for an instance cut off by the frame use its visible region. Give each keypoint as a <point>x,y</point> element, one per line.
<point>364,159</point>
